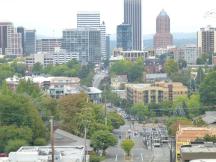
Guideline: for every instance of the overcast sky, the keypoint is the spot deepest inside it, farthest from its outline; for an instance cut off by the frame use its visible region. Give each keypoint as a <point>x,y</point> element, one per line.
<point>50,17</point>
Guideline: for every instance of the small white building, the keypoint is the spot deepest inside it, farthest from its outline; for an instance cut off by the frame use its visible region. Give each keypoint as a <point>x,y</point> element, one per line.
<point>191,53</point>
<point>43,154</point>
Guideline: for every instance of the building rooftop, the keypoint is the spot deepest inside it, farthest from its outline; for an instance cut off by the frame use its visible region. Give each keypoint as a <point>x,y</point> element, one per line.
<point>163,13</point>
<point>209,117</point>
<point>199,148</point>
<point>43,154</point>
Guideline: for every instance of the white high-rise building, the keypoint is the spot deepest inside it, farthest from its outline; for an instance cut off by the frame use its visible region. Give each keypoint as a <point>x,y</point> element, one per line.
<point>91,19</point>
<point>206,39</point>
<point>133,17</point>
<point>10,40</point>
<point>88,19</point>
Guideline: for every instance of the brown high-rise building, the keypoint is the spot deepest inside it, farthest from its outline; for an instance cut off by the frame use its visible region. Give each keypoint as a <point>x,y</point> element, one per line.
<point>163,37</point>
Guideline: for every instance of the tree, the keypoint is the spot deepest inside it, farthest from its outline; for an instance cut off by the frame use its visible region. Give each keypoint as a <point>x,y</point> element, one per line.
<point>208,89</point>
<point>20,111</point>
<point>200,76</point>
<point>101,140</point>
<point>116,120</point>
<point>14,145</point>
<point>182,64</point>
<point>127,146</point>
<point>171,67</point>
<point>29,88</point>
<point>37,68</point>
<point>11,133</point>
<point>140,111</point>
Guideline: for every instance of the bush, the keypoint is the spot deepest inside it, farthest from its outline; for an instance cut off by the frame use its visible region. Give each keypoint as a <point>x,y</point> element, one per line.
<point>95,158</point>
<point>14,145</point>
<point>40,142</point>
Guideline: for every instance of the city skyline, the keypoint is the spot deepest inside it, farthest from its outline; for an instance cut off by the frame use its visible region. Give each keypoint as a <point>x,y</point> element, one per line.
<point>62,14</point>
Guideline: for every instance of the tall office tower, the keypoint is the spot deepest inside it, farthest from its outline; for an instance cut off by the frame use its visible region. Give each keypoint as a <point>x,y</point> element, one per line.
<point>108,46</point>
<point>48,45</point>
<point>21,30</point>
<point>206,40</point>
<point>30,42</point>
<point>88,19</point>
<point>124,37</point>
<point>163,37</point>
<point>133,16</point>
<point>4,28</point>
<point>85,41</point>
<point>10,40</point>
<point>92,20</point>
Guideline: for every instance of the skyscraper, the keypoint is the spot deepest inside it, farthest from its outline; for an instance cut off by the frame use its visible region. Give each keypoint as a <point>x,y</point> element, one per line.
<point>88,19</point>
<point>163,37</point>
<point>92,20</point>
<point>85,41</point>
<point>21,30</point>
<point>108,46</point>
<point>124,37</point>
<point>10,40</point>
<point>206,40</point>
<point>133,16</point>
<point>30,42</point>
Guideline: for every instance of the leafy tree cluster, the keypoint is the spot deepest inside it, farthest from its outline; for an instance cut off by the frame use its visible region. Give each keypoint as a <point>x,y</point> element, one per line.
<point>208,89</point>
<point>134,70</point>
<point>205,58</point>
<point>71,69</point>
<point>20,121</point>
<point>182,106</point>
<point>76,114</point>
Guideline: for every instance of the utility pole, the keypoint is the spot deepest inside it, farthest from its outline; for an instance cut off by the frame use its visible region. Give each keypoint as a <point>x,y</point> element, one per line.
<point>105,109</point>
<point>52,137</point>
<point>85,145</point>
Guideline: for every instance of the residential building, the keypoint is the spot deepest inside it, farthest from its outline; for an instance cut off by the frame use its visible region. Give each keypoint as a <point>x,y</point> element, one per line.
<point>30,42</point>
<point>43,153</point>
<point>133,16</point>
<point>187,134</point>
<point>206,40</point>
<point>153,65</point>
<point>43,58</point>
<point>124,37</point>
<point>5,27</point>
<point>155,77</point>
<point>191,53</point>
<point>62,56</point>
<point>155,93</point>
<point>163,37</point>
<point>59,56</point>
<point>91,19</point>
<point>118,82</point>
<point>134,55</point>
<point>198,151</point>
<point>85,41</point>
<point>10,40</point>
<point>48,45</point>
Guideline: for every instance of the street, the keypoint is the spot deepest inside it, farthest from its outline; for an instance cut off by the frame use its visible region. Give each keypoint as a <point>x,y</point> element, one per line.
<point>98,78</point>
<point>140,153</point>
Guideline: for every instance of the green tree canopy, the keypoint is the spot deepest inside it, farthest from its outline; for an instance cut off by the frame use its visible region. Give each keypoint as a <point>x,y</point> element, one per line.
<point>208,89</point>
<point>127,146</point>
<point>171,67</point>
<point>101,140</point>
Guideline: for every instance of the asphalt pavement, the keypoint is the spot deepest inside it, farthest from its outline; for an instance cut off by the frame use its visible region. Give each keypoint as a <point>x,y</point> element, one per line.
<point>140,153</point>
